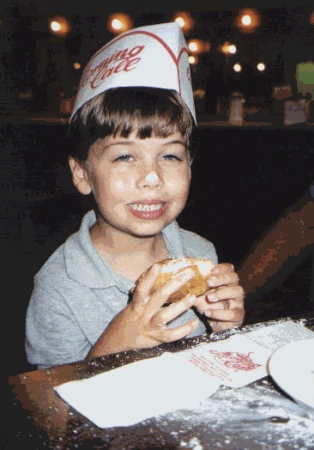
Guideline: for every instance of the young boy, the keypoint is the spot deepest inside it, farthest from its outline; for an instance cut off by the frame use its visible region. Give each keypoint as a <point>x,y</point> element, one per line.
<point>131,126</point>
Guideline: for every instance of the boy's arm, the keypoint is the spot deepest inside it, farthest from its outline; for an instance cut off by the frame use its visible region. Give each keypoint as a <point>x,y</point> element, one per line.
<point>143,322</point>
<point>293,232</point>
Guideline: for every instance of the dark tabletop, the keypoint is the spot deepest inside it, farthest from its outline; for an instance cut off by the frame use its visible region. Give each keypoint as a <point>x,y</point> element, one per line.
<point>258,416</point>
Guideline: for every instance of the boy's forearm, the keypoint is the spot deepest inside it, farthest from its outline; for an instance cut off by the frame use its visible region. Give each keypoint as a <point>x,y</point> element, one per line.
<point>122,334</point>
<point>104,347</point>
<point>111,341</point>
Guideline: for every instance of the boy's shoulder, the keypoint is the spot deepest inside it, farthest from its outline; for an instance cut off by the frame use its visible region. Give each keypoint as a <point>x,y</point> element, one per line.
<point>70,253</point>
<point>53,268</point>
<point>76,263</point>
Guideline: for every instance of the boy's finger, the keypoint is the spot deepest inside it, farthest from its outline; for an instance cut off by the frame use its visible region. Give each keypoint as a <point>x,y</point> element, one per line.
<point>160,297</point>
<point>174,334</point>
<point>224,293</point>
<point>222,304</point>
<point>222,268</point>
<point>222,326</point>
<point>142,288</point>
<point>221,279</point>
<point>225,315</point>
<point>165,315</point>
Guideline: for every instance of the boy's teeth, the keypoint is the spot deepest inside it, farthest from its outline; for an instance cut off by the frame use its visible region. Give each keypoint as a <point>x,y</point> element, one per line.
<point>146,207</point>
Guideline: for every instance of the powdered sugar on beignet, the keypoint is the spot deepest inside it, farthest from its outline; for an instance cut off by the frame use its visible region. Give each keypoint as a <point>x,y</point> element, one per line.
<point>196,286</point>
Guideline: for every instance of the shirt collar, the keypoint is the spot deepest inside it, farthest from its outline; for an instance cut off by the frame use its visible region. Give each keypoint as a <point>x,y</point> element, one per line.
<point>85,266</point>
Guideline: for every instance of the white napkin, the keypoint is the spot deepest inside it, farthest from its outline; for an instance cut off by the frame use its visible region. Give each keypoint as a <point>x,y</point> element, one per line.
<point>137,391</point>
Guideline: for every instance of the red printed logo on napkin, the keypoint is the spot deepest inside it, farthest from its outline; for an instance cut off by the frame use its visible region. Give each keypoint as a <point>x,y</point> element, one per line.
<point>235,360</point>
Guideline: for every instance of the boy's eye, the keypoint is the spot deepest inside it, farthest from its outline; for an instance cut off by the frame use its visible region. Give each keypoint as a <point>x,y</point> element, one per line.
<point>172,157</point>
<point>124,158</point>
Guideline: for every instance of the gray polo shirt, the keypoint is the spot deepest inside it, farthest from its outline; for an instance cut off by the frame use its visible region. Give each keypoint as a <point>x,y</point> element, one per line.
<point>76,295</point>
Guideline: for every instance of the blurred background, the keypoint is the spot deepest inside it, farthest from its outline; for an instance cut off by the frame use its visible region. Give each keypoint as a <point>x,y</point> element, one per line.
<point>253,77</point>
<point>251,50</point>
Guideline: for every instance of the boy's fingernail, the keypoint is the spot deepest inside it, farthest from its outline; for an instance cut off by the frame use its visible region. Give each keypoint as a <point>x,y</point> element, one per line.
<point>195,322</point>
<point>211,298</point>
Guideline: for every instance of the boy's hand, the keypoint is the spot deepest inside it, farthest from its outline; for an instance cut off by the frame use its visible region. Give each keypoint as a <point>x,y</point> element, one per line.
<point>223,304</point>
<point>143,322</point>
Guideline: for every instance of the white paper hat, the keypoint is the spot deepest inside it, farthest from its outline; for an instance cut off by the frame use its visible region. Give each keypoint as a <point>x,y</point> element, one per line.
<point>152,56</point>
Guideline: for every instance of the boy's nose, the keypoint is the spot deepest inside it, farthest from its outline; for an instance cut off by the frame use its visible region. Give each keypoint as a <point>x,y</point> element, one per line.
<point>151,178</point>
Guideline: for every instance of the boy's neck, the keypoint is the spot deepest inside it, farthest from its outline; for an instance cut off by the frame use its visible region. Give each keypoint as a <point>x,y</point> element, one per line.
<point>129,255</point>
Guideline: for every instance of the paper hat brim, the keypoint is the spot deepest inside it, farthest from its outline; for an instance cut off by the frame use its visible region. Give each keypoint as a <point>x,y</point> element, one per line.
<point>153,56</point>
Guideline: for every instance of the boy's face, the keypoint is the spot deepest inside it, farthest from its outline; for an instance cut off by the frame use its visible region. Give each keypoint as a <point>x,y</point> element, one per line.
<point>140,185</point>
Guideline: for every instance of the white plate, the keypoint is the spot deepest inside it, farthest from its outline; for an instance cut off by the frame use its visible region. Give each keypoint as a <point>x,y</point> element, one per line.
<point>292,368</point>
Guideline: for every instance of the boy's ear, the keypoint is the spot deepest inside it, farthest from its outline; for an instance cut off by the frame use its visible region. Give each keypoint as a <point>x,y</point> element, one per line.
<point>79,177</point>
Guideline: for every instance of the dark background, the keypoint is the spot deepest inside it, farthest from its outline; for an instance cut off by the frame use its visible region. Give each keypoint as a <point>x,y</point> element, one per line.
<point>243,178</point>
<point>37,72</point>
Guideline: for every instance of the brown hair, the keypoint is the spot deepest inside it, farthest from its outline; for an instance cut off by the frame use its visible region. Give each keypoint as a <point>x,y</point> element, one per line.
<point>122,111</point>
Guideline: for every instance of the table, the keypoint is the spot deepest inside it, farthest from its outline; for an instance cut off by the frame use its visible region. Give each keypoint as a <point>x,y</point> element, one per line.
<point>257,416</point>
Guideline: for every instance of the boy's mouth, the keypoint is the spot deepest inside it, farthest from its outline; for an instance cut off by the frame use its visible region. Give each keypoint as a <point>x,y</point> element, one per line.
<point>146,206</point>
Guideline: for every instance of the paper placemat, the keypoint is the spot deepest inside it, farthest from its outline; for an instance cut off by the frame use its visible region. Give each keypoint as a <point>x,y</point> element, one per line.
<point>140,390</point>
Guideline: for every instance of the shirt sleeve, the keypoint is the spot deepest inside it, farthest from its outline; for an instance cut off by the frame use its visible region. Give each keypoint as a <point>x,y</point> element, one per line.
<point>53,336</point>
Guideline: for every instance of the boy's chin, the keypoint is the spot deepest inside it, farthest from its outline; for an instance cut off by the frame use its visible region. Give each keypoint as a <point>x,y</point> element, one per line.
<point>137,230</point>
<point>147,231</point>
<point>146,234</point>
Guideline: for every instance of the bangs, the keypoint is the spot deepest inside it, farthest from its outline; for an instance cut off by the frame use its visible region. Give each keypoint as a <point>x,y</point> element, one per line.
<point>147,112</point>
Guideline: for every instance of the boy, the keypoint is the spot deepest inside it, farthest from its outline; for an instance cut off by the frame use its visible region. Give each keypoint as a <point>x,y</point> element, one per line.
<point>131,125</point>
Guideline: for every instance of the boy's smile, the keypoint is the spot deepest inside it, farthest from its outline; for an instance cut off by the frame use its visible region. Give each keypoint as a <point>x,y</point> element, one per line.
<point>148,210</point>
<point>140,185</point>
